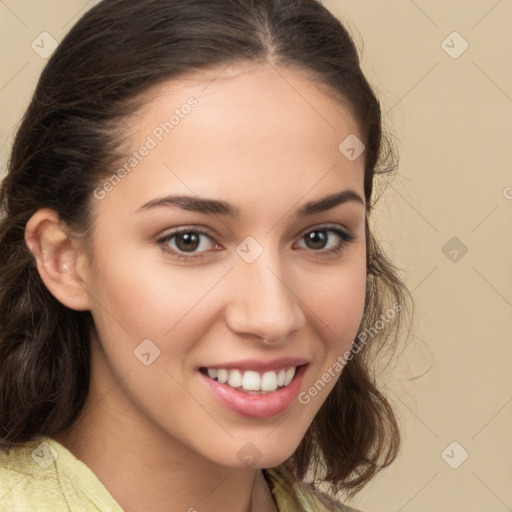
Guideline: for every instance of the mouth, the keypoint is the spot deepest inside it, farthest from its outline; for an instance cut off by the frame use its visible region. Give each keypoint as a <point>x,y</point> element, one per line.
<point>251,381</point>
<point>255,392</point>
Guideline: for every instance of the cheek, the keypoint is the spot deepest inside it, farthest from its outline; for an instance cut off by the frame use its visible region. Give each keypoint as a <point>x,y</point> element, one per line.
<point>145,299</point>
<point>339,311</point>
<point>338,299</point>
<point>144,295</point>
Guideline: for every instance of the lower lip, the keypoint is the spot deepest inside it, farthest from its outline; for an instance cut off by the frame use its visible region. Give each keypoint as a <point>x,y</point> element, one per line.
<point>256,405</point>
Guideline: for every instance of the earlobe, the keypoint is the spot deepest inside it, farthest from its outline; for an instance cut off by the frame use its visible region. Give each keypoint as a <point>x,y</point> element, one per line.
<point>56,256</point>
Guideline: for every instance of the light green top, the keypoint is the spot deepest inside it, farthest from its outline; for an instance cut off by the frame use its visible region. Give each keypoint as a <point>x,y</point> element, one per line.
<point>43,476</point>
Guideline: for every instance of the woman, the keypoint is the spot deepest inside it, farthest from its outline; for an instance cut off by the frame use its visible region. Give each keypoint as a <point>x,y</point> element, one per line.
<point>190,290</point>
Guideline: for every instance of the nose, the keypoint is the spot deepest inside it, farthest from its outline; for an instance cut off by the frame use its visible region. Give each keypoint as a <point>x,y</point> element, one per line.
<point>263,303</point>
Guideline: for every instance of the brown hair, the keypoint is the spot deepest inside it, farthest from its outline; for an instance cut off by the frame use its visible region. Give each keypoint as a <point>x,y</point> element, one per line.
<point>64,147</point>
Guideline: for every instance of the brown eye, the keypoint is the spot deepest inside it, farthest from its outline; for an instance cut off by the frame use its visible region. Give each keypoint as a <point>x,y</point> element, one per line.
<point>191,242</point>
<point>316,240</point>
<point>326,241</point>
<point>188,242</point>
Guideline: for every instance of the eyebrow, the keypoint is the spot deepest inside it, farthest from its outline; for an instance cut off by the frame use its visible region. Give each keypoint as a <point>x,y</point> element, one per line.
<point>216,207</point>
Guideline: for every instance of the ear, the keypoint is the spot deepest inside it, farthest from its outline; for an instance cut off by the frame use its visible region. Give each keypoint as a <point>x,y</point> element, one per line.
<point>59,261</point>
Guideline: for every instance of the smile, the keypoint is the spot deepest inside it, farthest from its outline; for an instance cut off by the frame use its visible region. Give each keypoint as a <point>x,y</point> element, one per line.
<point>251,381</point>
<point>255,391</point>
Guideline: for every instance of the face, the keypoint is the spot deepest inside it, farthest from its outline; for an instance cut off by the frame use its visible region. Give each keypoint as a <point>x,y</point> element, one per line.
<point>228,263</point>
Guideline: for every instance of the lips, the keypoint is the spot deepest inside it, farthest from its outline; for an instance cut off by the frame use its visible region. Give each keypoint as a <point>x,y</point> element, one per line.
<point>255,389</point>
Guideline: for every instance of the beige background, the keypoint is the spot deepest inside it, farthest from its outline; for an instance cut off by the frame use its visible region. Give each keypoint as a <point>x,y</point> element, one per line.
<point>453,117</point>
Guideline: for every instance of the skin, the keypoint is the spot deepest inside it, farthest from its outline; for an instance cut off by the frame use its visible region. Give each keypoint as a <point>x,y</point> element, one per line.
<point>265,139</point>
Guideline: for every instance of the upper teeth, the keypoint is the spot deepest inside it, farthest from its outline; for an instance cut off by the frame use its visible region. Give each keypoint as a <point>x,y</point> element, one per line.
<point>251,380</point>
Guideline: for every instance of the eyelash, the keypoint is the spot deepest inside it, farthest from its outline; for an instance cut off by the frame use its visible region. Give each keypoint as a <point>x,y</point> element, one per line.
<point>344,236</point>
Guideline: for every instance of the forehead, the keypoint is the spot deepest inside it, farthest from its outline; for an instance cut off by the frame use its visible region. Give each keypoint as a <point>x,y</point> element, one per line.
<point>251,130</point>
<point>254,96</point>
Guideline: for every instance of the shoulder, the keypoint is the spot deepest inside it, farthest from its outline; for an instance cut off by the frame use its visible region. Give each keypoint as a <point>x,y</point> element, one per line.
<point>322,501</point>
<point>25,462</point>
<point>27,476</point>
<point>294,496</point>
<point>330,504</point>
<point>43,475</point>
